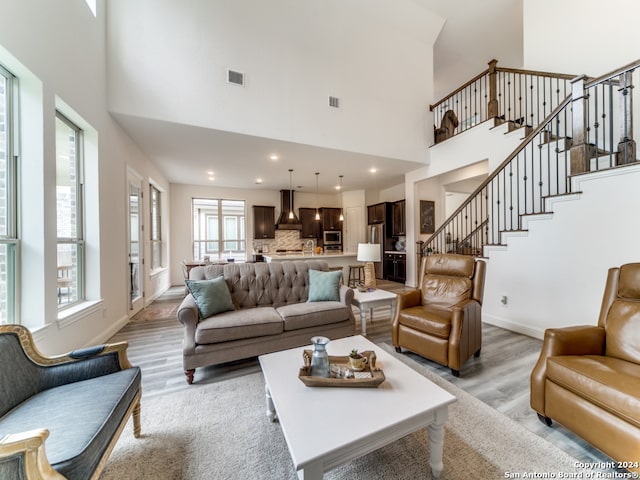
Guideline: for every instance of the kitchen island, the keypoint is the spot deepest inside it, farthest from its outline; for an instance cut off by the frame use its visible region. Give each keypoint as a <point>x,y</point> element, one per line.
<point>334,260</point>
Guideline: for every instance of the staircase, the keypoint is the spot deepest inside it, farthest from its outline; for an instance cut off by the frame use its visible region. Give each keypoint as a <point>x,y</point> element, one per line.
<point>588,129</point>
<point>559,211</point>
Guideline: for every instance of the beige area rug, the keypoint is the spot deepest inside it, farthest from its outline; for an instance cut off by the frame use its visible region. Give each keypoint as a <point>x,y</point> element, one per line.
<point>220,431</point>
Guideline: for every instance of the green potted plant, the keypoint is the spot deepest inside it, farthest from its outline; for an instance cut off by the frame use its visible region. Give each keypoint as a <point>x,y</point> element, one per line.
<point>356,361</point>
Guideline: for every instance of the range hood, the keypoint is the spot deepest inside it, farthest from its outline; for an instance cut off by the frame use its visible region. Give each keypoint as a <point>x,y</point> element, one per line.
<point>286,206</point>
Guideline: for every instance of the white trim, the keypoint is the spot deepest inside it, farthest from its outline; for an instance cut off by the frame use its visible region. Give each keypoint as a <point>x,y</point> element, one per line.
<point>157,271</point>
<point>107,334</point>
<point>513,326</point>
<point>71,315</point>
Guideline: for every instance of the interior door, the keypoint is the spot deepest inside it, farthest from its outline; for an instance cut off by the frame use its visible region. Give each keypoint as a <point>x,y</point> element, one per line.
<point>135,244</point>
<point>354,229</point>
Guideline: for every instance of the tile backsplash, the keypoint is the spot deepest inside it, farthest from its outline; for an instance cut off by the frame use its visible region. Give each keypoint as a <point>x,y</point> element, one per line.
<point>285,240</point>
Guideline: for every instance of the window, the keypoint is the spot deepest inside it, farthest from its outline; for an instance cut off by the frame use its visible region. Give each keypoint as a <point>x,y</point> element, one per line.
<point>156,227</point>
<point>69,209</point>
<point>8,198</point>
<point>219,229</point>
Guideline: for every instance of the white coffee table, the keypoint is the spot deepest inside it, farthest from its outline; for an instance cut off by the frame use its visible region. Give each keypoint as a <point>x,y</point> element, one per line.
<point>327,427</point>
<point>370,300</point>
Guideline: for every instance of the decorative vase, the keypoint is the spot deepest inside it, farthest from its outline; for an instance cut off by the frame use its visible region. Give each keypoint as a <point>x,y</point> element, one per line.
<point>319,358</point>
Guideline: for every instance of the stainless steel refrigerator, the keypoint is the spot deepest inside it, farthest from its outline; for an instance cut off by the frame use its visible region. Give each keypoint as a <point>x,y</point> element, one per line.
<point>376,235</point>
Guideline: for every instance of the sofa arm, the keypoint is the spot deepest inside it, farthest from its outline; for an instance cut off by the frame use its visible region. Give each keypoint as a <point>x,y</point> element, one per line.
<point>578,340</point>
<point>189,317</point>
<point>30,447</point>
<point>346,297</point>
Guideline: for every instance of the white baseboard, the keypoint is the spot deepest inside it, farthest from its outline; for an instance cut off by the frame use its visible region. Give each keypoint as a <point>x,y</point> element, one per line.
<point>513,326</point>
<point>109,332</point>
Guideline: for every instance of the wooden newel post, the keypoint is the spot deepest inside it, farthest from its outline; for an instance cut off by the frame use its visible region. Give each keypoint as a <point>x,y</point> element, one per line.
<point>492,106</point>
<point>581,152</point>
<point>419,254</point>
<point>627,146</point>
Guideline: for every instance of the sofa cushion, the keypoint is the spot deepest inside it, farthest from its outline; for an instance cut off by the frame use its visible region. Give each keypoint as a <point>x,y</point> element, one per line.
<point>82,418</point>
<point>211,296</point>
<point>324,286</point>
<point>238,324</point>
<point>431,320</point>
<point>303,315</point>
<point>608,382</point>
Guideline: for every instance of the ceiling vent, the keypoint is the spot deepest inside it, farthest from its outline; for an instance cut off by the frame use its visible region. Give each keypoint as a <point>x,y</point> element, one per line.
<point>334,102</point>
<point>237,78</point>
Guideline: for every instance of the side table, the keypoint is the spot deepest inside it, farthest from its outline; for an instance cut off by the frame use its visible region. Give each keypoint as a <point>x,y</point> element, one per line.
<point>370,300</point>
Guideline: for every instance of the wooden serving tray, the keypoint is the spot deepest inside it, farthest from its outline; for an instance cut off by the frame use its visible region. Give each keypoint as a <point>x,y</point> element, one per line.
<point>377,375</point>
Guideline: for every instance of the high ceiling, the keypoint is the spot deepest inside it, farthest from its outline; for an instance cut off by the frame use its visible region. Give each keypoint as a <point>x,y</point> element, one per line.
<point>474,33</point>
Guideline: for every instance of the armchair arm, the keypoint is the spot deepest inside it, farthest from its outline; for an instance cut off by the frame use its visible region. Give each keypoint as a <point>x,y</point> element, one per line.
<point>73,366</point>
<point>465,338</point>
<point>412,298</point>
<point>188,316</point>
<point>30,446</point>
<point>578,340</point>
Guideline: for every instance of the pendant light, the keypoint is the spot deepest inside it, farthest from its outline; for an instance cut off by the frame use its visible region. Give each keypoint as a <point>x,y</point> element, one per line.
<point>291,216</point>
<point>317,211</point>
<point>341,215</point>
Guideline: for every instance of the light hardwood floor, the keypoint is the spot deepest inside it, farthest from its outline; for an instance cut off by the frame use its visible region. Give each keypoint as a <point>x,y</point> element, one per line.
<point>499,377</point>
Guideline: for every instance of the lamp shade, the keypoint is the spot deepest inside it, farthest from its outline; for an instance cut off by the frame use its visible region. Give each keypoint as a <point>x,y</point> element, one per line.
<point>368,252</point>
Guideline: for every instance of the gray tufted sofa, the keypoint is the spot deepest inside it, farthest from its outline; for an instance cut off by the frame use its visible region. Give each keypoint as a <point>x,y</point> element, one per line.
<point>272,313</point>
<point>79,403</point>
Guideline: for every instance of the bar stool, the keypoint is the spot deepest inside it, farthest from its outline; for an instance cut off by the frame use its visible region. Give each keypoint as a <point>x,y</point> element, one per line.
<point>335,269</point>
<point>356,275</point>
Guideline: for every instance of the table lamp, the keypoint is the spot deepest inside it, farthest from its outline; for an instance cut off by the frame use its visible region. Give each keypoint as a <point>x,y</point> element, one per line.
<point>369,253</point>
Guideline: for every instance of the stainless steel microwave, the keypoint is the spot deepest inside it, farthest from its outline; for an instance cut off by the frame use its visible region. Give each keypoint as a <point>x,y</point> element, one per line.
<point>332,237</point>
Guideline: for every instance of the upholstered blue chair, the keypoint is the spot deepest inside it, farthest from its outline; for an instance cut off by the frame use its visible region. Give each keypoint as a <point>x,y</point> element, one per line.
<point>77,404</point>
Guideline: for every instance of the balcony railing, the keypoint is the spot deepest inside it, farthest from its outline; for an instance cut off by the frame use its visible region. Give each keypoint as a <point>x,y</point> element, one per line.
<point>521,97</point>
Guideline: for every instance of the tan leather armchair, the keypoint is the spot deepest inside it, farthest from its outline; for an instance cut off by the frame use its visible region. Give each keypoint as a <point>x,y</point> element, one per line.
<point>441,320</point>
<point>588,377</point>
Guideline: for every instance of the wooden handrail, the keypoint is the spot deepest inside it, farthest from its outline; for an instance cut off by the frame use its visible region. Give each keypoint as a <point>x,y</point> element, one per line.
<point>616,73</point>
<point>560,76</point>
<point>459,89</point>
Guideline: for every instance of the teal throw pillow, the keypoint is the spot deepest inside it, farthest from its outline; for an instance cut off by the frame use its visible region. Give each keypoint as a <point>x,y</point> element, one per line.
<point>324,286</point>
<point>211,296</point>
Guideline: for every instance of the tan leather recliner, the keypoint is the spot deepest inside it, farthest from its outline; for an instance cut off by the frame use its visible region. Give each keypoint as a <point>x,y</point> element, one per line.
<point>588,377</point>
<point>442,319</point>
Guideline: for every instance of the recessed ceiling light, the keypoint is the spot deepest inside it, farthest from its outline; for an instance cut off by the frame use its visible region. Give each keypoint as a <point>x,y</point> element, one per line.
<point>212,178</point>
<point>373,170</point>
<point>274,156</point>
<point>258,181</point>
<point>210,172</point>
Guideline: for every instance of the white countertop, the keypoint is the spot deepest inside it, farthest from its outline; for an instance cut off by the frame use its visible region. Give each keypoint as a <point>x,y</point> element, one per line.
<point>401,252</point>
<point>269,257</point>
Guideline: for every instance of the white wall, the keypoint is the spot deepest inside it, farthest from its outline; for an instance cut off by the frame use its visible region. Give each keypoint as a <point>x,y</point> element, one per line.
<point>603,36</point>
<point>392,194</point>
<point>58,51</point>
<point>168,61</point>
<point>554,275</point>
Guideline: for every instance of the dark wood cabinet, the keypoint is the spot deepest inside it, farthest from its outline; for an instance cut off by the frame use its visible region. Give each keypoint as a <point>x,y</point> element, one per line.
<point>264,222</point>
<point>330,219</point>
<point>310,226</point>
<point>398,218</point>
<point>377,213</point>
<point>395,267</point>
